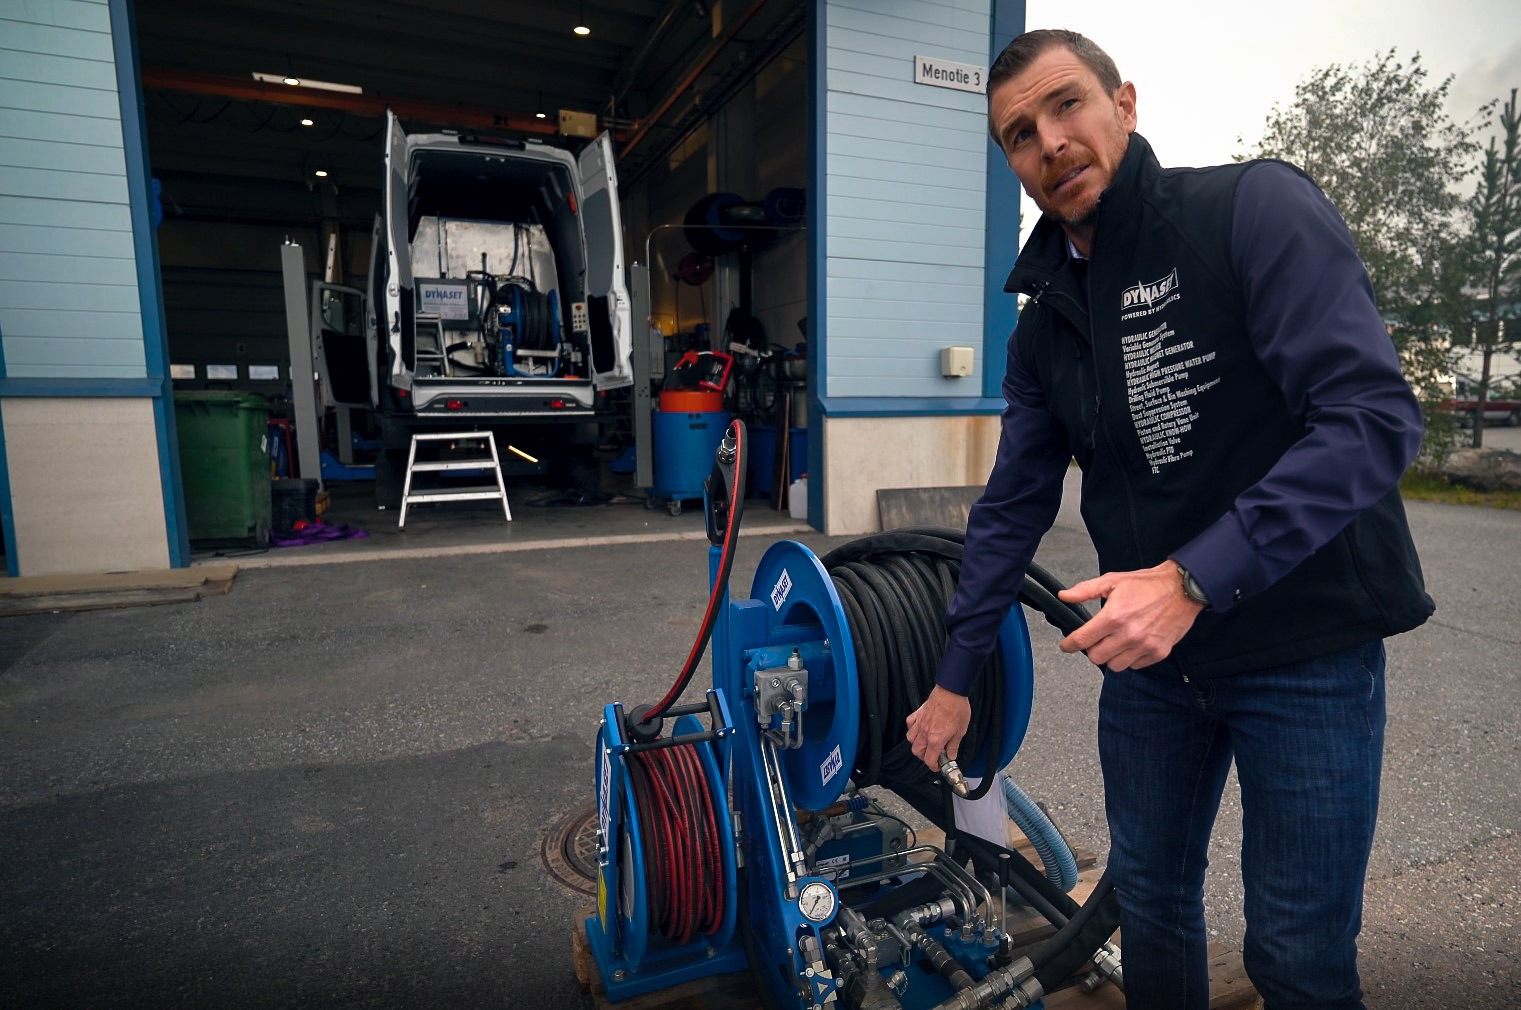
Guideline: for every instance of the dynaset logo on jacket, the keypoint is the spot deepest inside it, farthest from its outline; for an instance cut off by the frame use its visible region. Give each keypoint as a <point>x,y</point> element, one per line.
<point>1145,298</point>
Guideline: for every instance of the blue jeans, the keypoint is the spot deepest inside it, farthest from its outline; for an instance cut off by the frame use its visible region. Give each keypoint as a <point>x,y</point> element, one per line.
<point>1308,742</point>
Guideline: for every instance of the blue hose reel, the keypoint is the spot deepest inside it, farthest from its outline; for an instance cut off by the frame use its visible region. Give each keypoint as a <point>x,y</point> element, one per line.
<point>784,721</point>
<point>633,958</point>
<point>529,323</point>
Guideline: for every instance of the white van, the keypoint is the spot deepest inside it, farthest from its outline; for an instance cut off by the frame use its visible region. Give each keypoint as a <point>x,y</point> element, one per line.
<point>496,294</point>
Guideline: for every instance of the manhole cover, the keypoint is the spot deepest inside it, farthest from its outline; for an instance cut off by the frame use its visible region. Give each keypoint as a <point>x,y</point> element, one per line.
<point>569,850</point>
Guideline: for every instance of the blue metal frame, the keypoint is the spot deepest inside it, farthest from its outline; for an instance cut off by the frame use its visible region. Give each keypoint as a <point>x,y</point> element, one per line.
<point>818,150</point>
<point>1019,688</point>
<point>805,613</point>
<point>149,289</point>
<point>7,516</point>
<point>755,631</point>
<point>649,962</point>
<point>910,406</point>
<point>41,387</point>
<point>1000,310</point>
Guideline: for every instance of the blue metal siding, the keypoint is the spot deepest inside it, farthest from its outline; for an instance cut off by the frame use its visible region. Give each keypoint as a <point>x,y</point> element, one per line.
<point>1000,310</point>
<point>155,343</point>
<point>70,304</point>
<point>906,177</point>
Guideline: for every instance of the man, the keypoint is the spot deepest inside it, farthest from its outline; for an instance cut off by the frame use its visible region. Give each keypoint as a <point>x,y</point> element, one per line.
<point>1204,342</point>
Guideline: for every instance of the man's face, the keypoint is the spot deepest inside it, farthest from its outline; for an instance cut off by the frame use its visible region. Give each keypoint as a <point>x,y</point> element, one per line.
<point>1063,133</point>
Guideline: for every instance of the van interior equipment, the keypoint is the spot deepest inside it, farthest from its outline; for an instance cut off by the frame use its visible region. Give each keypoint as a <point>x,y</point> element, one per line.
<point>495,299</point>
<point>734,833</point>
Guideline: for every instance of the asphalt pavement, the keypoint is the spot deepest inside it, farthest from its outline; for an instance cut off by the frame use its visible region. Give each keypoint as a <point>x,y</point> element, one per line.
<point>332,785</point>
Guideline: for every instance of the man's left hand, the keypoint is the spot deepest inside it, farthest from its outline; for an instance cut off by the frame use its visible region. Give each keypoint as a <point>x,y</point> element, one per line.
<point>1144,615</point>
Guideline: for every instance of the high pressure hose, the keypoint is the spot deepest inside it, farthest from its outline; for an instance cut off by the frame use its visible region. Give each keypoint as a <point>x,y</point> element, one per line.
<point>895,588</point>
<point>725,488</point>
<point>683,859</point>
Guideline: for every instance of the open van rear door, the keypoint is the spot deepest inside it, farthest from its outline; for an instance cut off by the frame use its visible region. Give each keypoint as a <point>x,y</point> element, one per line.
<point>374,306</point>
<point>339,322</point>
<point>398,260</point>
<point>607,300</point>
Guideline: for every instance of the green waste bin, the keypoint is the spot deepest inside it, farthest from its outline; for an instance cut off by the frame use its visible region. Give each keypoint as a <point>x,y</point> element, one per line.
<point>224,462</point>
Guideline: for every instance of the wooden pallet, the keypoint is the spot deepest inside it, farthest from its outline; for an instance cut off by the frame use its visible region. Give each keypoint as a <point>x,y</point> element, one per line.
<point>1229,988</point>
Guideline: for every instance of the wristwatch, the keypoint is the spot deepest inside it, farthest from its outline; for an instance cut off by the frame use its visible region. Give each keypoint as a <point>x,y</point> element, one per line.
<point>1191,587</point>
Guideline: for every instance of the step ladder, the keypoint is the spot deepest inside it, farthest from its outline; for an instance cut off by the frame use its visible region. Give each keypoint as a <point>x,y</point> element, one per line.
<point>485,459</point>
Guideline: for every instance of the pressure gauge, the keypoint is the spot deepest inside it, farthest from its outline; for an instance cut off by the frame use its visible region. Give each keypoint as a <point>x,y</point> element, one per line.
<point>816,902</point>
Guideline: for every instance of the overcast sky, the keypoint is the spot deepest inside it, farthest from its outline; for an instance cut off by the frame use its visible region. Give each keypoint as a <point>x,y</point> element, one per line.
<point>1207,73</point>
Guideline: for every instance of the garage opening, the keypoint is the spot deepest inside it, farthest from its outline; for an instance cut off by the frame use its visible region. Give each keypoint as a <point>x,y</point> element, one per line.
<point>694,100</point>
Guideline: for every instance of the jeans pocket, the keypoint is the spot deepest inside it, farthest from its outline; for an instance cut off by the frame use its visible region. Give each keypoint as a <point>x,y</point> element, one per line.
<point>1372,662</point>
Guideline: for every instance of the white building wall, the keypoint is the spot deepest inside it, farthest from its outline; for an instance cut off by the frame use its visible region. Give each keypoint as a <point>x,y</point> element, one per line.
<point>77,507</point>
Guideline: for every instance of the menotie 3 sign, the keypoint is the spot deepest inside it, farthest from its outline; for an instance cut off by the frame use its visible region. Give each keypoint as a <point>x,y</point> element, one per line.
<point>948,74</point>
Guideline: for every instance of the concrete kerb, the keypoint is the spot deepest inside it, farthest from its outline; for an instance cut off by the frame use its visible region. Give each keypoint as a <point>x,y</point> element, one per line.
<point>291,559</point>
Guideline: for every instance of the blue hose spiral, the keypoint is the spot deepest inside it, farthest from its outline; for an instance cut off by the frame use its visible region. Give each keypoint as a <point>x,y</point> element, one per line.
<point>1055,855</point>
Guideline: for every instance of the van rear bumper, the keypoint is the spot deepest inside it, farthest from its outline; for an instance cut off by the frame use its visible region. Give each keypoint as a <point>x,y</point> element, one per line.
<point>505,399</point>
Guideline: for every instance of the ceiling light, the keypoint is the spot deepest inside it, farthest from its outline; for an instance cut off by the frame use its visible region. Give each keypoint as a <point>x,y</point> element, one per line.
<point>580,28</point>
<point>306,82</point>
<point>321,173</point>
<point>307,122</point>
<point>540,114</point>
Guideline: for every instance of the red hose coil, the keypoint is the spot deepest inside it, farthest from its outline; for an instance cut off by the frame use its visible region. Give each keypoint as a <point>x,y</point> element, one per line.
<point>684,875</point>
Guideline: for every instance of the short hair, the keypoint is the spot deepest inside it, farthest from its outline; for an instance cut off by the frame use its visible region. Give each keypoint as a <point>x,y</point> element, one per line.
<point>1020,53</point>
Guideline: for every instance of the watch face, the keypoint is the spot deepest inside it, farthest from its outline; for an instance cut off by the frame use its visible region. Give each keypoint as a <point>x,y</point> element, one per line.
<point>816,902</point>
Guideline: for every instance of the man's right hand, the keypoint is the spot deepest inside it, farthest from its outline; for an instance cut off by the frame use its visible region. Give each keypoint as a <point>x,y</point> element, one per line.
<point>938,725</point>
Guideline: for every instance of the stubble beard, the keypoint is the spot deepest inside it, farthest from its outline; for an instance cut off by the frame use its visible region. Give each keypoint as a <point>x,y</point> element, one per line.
<point>1084,218</point>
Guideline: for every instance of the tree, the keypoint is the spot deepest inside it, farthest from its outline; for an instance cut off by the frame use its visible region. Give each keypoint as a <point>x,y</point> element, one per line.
<point>1377,139</point>
<point>1495,212</point>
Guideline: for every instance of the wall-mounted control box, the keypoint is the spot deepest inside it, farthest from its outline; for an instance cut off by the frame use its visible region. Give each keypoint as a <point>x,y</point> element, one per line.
<point>955,362</point>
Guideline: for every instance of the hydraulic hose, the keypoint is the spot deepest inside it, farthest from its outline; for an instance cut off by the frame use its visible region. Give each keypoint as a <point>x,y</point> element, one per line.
<point>725,487</point>
<point>1073,945</point>
<point>949,968</point>
<point>895,588</point>
<point>1055,854</point>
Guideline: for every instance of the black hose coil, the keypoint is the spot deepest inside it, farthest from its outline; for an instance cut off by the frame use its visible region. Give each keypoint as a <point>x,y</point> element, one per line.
<point>895,588</point>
